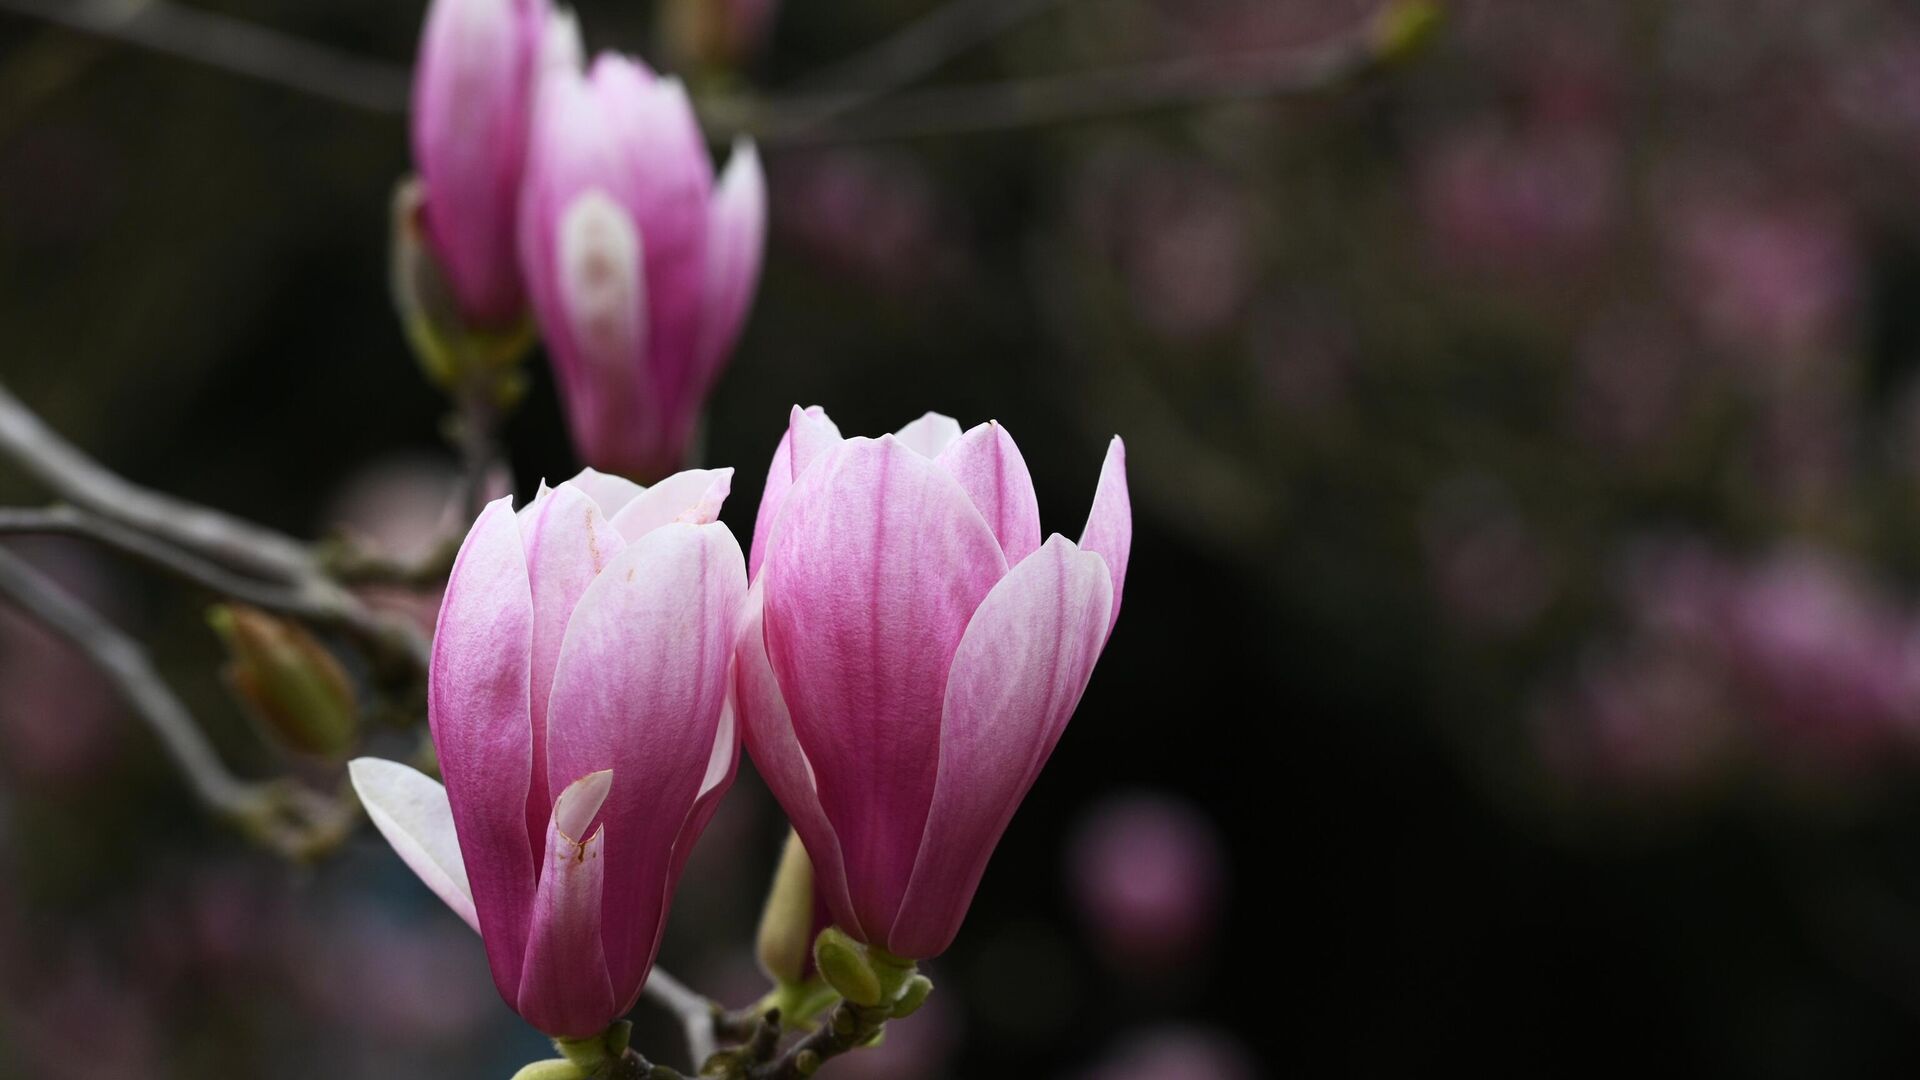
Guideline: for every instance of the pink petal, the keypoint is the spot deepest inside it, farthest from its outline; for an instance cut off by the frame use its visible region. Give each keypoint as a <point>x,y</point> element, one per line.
<point>877,564</point>
<point>780,476</point>
<point>412,812</point>
<point>1109,530</point>
<point>564,990</point>
<point>722,767</point>
<point>736,242</point>
<point>814,435</point>
<point>477,705</point>
<point>1019,673</point>
<point>694,496</point>
<point>568,543</point>
<point>608,491</point>
<point>990,468</point>
<point>641,683</point>
<point>768,729</point>
<point>930,434</point>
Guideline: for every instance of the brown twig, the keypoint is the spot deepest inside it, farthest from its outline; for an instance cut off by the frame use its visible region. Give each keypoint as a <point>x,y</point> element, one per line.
<point>292,819</point>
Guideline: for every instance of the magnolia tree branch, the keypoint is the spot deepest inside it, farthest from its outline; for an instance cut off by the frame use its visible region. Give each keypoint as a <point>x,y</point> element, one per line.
<point>80,480</point>
<point>233,45</point>
<point>1084,96</point>
<point>220,552</point>
<point>856,101</point>
<point>289,818</point>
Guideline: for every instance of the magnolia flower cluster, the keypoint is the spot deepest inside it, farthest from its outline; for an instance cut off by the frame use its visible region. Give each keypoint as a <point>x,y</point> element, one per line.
<point>585,192</point>
<point>901,654</point>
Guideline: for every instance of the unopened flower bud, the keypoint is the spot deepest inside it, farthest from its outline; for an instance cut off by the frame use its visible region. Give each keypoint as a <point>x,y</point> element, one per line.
<point>455,355</point>
<point>843,963</point>
<point>912,996</point>
<point>1401,30</point>
<point>787,922</point>
<point>290,683</point>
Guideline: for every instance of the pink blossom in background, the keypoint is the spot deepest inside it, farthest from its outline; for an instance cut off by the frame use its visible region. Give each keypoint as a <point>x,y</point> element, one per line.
<point>1149,875</point>
<point>1178,231</point>
<point>418,982</point>
<point>1538,201</point>
<point>77,1018</point>
<point>1780,279</point>
<point>402,508</point>
<point>60,722</point>
<point>473,93</point>
<point>577,698</point>
<point>1797,660</point>
<point>913,651</point>
<point>1635,377</point>
<point>1178,1053</point>
<point>641,264</point>
<point>1491,572</point>
<point>874,215</point>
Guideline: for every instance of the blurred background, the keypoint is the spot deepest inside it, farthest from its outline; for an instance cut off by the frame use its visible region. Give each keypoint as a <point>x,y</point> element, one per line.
<point>1521,660</point>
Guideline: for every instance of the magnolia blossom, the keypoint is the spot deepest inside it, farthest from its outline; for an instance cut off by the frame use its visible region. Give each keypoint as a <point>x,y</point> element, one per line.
<point>577,696</point>
<point>641,266</point>
<point>473,94</point>
<point>912,652</point>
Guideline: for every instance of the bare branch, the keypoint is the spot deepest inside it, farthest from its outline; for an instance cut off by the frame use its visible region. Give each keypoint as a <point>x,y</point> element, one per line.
<point>234,45</point>
<point>80,480</point>
<point>69,521</point>
<point>856,101</point>
<point>697,1014</point>
<point>922,47</point>
<point>284,815</point>
<point>133,678</point>
<point>1054,99</point>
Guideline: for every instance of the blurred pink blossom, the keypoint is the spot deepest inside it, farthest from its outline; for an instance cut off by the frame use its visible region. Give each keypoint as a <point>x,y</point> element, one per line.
<point>1178,1053</point>
<point>1178,232</point>
<point>1149,874</point>
<point>1544,200</point>
<point>59,721</point>
<point>1779,279</point>
<point>1492,573</point>
<point>873,215</point>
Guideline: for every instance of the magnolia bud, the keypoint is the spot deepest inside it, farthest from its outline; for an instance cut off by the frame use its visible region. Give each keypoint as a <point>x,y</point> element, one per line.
<point>843,963</point>
<point>787,921</point>
<point>912,996</point>
<point>454,355</point>
<point>290,683</point>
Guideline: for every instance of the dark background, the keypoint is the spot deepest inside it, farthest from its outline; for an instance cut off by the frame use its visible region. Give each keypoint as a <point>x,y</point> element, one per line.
<point>1521,625</point>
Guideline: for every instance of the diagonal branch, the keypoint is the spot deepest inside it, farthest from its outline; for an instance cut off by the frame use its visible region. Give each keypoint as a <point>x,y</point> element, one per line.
<point>284,815</point>
<point>1071,98</point>
<point>229,44</point>
<point>78,479</point>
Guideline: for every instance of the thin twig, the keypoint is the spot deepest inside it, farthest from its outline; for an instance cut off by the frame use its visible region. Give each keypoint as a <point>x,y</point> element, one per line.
<point>71,521</point>
<point>201,543</point>
<point>698,1014</point>
<point>126,667</point>
<point>80,480</point>
<point>230,44</point>
<point>842,114</point>
<point>847,1026</point>
<point>1056,99</point>
<point>920,49</point>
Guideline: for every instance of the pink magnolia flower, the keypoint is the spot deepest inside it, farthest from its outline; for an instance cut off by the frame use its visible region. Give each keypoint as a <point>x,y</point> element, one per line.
<point>641,266</point>
<point>912,652</point>
<point>577,699</point>
<point>472,104</point>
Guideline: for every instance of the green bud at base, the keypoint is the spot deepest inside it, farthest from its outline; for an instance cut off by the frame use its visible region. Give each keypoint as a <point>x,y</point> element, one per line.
<point>458,358</point>
<point>1401,30</point>
<point>787,919</point>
